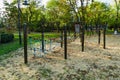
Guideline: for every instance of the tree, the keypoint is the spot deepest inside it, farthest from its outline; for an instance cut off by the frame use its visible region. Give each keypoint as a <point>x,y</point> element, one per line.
<point>98,12</point>
<point>32,13</point>
<point>117,3</point>
<point>11,11</point>
<point>58,12</point>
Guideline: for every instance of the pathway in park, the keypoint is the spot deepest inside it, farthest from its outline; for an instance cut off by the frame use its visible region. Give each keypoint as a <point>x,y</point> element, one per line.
<point>95,63</point>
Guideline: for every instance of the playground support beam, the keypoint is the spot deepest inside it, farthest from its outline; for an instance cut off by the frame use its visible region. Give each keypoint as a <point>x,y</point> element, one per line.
<point>65,42</point>
<point>82,38</point>
<point>19,25</point>
<point>104,37</point>
<point>42,35</point>
<point>25,37</point>
<point>99,34</point>
<point>25,43</point>
<point>61,38</point>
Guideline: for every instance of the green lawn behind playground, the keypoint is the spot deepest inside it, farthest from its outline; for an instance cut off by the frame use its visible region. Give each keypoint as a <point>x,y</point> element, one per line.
<point>14,45</point>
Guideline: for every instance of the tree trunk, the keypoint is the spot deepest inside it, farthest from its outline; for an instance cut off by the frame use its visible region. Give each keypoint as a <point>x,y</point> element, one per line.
<point>117,12</point>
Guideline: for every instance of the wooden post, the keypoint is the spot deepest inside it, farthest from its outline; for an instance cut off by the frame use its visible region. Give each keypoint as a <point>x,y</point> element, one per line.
<point>99,34</point>
<point>82,38</point>
<point>25,44</point>
<point>104,37</point>
<point>19,25</point>
<point>42,38</point>
<point>65,42</point>
<point>61,38</point>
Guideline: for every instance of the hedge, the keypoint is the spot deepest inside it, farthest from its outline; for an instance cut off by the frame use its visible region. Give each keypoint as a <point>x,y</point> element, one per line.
<point>5,37</point>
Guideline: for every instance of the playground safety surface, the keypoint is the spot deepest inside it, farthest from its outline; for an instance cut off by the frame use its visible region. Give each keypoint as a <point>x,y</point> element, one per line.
<point>95,63</point>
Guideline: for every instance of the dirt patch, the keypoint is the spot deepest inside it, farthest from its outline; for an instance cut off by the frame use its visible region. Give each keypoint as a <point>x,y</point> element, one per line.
<point>95,63</point>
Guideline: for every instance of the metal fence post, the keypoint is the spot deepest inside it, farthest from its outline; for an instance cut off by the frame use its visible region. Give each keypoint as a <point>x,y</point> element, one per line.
<point>104,37</point>
<point>99,34</point>
<point>65,42</point>
<point>19,25</point>
<point>82,38</point>
<point>42,38</point>
<point>61,38</point>
<point>25,44</point>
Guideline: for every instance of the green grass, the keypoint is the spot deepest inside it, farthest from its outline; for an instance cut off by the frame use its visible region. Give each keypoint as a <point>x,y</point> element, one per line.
<point>11,46</point>
<point>8,47</point>
<point>14,45</point>
<point>109,32</point>
<point>46,35</point>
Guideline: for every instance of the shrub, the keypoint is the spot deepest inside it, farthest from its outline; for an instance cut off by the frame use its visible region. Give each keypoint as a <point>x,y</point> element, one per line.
<point>4,37</point>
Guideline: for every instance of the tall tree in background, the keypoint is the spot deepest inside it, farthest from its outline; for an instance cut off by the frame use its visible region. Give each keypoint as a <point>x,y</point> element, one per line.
<point>58,12</point>
<point>32,13</point>
<point>11,11</point>
<point>75,8</point>
<point>79,8</point>
<point>117,3</point>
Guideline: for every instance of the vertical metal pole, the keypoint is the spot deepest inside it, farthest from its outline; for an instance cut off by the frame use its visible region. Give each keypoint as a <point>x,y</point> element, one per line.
<point>74,31</point>
<point>61,38</point>
<point>42,38</point>
<point>65,42</point>
<point>82,38</point>
<point>99,34</point>
<point>19,26</point>
<point>25,43</point>
<point>104,37</point>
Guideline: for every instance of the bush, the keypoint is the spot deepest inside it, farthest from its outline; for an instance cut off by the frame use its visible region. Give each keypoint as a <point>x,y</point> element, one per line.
<point>6,37</point>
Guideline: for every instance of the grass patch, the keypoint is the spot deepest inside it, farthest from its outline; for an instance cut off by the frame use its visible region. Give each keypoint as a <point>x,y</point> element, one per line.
<point>8,47</point>
<point>14,45</point>
<point>11,46</point>
<point>46,35</point>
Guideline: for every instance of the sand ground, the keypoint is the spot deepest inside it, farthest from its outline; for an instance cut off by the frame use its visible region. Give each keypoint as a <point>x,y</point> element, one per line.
<point>95,63</point>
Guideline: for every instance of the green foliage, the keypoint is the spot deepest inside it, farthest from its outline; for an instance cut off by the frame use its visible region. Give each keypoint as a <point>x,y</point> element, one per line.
<point>57,13</point>
<point>97,13</point>
<point>10,15</point>
<point>8,47</point>
<point>5,37</point>
<point>11,46</point>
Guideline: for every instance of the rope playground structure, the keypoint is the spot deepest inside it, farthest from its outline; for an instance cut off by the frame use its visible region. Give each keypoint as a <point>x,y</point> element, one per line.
<point>36,46</point>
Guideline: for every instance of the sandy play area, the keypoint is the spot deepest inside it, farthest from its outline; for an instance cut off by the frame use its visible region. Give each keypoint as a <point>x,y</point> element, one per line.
<point>95,63</point>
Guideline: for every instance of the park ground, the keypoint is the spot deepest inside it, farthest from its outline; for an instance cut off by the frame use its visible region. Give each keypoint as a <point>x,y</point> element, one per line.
<point>95,63</point>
